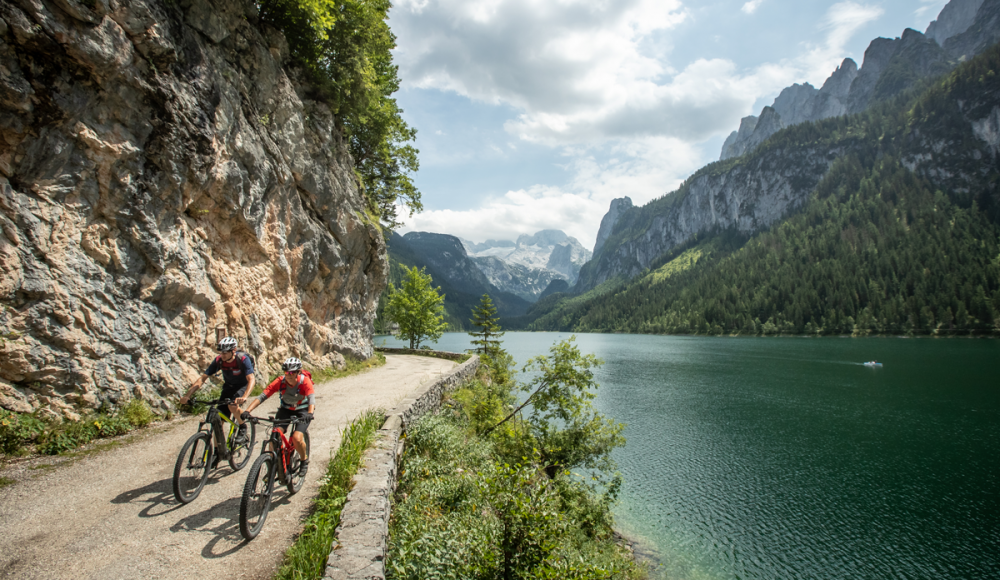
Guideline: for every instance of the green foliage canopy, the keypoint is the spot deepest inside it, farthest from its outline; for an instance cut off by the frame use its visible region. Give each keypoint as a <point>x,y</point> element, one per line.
<point>345,47</point>
<point>416,308</point>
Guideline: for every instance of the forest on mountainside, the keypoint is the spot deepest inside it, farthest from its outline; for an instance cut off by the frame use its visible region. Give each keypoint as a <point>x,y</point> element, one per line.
<point>877,249</point>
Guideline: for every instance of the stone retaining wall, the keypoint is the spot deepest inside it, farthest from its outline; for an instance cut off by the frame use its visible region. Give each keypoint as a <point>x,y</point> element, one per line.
<point>362,536</point>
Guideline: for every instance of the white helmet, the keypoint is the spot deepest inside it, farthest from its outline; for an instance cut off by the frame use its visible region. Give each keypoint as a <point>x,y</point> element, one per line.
<point>291,364</point>
<point>227,344</point>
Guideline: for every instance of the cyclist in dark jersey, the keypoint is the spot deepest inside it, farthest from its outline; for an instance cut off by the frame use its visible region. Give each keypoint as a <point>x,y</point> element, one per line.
<point>297,400</point>
<point>238,380</point>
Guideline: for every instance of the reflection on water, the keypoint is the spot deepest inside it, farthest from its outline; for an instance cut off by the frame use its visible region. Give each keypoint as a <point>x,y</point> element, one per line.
<point>761,458</point>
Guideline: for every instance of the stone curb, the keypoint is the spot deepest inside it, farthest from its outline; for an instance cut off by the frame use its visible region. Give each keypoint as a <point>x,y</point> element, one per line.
<point>358,552</point>
<point>456,356</point>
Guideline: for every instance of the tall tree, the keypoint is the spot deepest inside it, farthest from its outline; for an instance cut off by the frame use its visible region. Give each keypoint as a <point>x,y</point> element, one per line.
<point>346,48</point>
<point>416,307</point>
<point>484,316</point>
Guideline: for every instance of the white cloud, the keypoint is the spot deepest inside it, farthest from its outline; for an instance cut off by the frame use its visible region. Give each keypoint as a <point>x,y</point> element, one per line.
<point>641,169</point>
<point>751,6</point>
<point>582,78</point>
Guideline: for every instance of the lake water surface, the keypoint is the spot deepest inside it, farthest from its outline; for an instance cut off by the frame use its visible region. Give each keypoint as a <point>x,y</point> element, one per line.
<point>774,458</point>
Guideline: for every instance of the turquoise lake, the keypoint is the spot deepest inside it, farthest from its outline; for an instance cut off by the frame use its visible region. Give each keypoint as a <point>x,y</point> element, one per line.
<point>786,458</point>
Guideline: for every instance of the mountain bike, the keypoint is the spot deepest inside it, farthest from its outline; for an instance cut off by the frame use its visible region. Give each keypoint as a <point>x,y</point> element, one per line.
<point>211,444</point>
<point>278,460</point>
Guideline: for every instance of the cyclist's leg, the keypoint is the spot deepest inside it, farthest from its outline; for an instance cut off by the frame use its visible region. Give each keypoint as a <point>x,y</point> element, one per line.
<point>299,438</point>
<point>233,410</point>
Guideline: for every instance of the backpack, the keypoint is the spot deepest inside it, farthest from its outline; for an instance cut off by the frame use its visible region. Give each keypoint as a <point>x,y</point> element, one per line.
<point>253,363</point>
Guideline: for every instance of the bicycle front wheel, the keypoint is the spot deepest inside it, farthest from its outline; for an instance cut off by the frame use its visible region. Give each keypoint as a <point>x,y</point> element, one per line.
<point>257,496</point>
<point>239,455</point>
<point>192,467</point>
<point>294,479</point>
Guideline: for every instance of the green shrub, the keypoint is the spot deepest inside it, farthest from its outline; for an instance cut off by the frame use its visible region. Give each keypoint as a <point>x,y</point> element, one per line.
<point>18,430</point>
<point>137,413</point>
<point>481,499</point>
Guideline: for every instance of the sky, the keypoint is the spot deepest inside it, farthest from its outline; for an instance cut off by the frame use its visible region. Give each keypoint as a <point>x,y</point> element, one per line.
<point>535,114</point>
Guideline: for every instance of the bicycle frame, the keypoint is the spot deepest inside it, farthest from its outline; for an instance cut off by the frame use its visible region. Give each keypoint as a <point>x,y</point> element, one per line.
<point>214,420</point>
<point>283,444</point>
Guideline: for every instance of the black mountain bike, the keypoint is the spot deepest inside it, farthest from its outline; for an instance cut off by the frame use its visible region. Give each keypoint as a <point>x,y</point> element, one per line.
<point>278,460</point>
<point>211,444</point>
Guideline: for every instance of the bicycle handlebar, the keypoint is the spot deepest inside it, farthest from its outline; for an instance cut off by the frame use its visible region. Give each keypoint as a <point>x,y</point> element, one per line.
<point>212,402</point>
<point>274,421</point>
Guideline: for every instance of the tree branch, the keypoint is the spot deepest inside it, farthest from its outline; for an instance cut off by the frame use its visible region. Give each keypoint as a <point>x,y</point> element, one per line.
<point>514,412</point>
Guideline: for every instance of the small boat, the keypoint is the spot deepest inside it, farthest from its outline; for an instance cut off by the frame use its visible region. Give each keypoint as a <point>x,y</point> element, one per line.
<point>873,363</point>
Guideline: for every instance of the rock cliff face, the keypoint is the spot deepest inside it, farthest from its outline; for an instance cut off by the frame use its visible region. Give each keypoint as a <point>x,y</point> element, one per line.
<point>748,197</point>
<point>162,179</point>
<point>955,18</point>
<point>618,207</point>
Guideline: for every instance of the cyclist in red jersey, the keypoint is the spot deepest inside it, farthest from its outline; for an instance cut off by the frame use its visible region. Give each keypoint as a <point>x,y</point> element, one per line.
<point>297,400</point>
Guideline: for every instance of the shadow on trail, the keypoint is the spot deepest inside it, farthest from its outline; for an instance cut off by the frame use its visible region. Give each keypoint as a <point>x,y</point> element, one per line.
<point>222,520</point>
<point>160,494</point>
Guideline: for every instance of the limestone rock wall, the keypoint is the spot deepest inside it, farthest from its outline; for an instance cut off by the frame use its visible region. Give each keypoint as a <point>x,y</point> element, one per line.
<point>164,177</point>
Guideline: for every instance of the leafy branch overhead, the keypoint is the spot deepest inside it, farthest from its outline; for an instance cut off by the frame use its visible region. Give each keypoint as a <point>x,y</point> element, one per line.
<point>345,46</point>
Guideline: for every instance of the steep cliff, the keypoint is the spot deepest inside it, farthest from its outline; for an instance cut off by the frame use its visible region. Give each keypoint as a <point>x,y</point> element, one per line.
<point>165,177</point>
<point>617,208</point>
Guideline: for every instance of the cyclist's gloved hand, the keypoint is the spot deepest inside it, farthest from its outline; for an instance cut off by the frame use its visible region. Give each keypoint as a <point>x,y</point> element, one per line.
<point>307,416</point>
<point>245,415</point>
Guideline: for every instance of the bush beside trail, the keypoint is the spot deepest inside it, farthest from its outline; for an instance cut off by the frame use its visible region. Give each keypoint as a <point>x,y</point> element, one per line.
<point>490,492</point>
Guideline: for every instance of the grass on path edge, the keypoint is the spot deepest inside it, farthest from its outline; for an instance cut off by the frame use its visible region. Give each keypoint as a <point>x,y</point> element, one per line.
<point>306,558</point>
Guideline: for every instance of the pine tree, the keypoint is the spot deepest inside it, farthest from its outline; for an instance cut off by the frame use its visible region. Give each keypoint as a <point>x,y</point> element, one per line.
<point>417,308</point>
<point>485,317</point>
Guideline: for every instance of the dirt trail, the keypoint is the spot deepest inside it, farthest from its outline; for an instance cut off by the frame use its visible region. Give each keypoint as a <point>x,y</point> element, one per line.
<point>113,514</point>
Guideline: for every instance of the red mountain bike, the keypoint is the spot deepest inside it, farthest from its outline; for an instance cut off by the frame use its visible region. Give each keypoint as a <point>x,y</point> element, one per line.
<point>278,460</point>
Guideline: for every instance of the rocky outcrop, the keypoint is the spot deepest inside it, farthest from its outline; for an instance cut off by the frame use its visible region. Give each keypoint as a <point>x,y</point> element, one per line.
<point>894,66</point>
<point>618,207</point>
<point>955,18</point>
<point>747,198</point>
<point>795,104</point>
<point>980,35</point>
<point>163,179</point>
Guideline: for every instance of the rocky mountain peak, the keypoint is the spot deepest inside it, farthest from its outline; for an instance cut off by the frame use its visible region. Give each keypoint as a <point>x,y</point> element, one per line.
<point>794,104</point>
<point>955,18</point>
<point>839,83</point>
<point>618,207</point>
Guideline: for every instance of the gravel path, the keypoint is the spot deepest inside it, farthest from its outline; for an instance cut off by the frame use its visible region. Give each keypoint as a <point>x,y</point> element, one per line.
<point>112,514</point>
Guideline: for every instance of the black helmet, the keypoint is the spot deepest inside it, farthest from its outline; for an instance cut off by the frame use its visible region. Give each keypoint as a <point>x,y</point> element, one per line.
<point>291,364</point>
<point>227,344</point>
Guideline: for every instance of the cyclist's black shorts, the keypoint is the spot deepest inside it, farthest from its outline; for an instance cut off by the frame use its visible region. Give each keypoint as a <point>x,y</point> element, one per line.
<point>230,392</point>
<point>301,426</point>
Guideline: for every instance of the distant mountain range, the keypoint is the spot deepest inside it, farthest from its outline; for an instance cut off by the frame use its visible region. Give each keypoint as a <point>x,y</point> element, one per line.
<point>870,205</point>
<point>513,273</point>
<point>963,29</point>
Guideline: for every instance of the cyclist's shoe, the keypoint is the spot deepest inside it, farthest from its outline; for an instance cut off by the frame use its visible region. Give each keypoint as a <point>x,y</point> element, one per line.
<point>303,467</point>
<point>241,435</point>
<point>215,461</point>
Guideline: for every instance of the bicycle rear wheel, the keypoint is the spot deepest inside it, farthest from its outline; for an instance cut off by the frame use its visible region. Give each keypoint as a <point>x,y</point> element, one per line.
<point>192,467</point>
<point>257,496</point>
<point>294,480</point>
<point>240,454</point>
